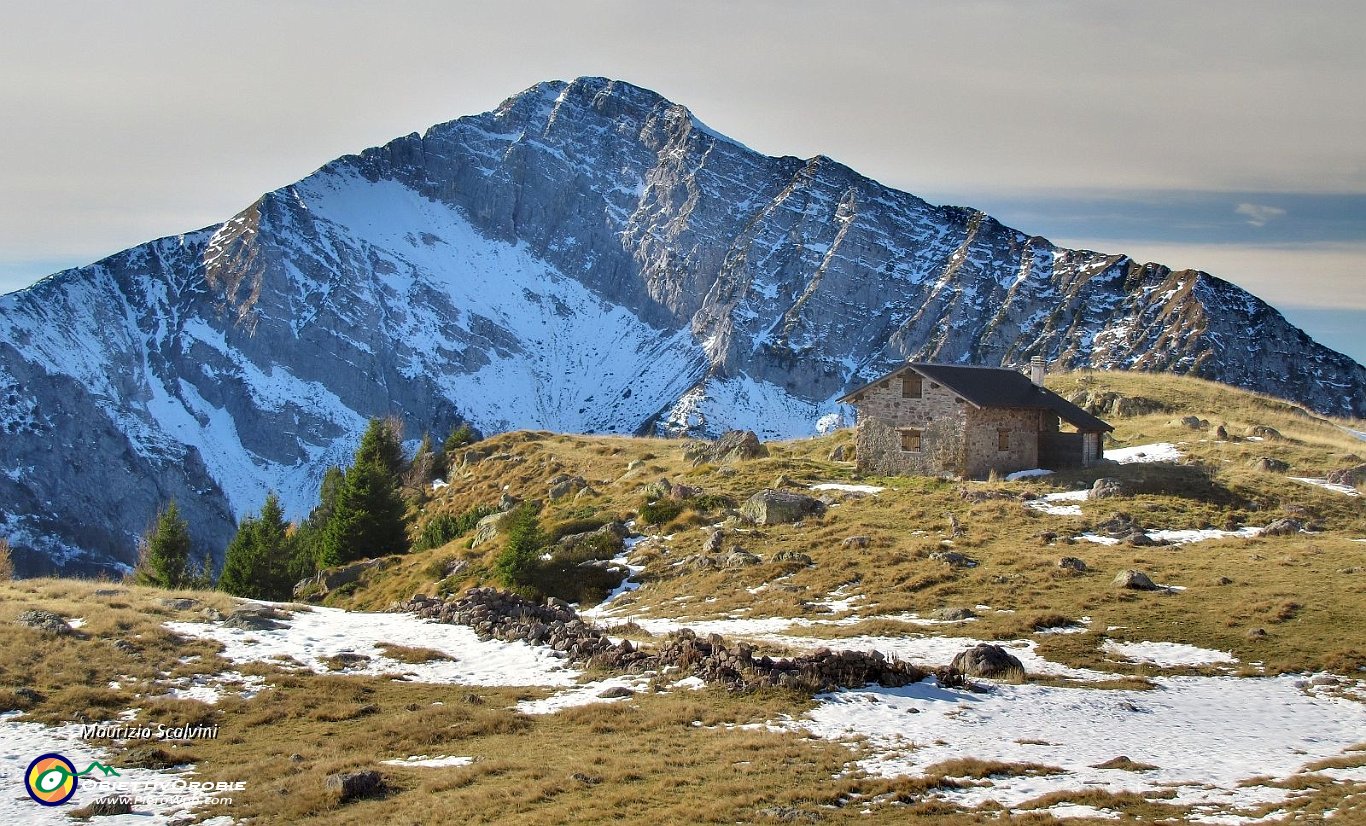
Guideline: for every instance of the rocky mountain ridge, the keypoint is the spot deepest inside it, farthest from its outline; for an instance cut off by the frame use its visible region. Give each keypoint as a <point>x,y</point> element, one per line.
<point>587,257</point>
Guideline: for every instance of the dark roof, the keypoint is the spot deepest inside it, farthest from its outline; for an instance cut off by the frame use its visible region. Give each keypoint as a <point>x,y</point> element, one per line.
<point>996,387</point>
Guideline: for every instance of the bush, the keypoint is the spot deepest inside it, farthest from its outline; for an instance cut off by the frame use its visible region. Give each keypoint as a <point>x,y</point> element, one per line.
<point>516,564</point>
<point>657,513</point>
<point>6,562</point>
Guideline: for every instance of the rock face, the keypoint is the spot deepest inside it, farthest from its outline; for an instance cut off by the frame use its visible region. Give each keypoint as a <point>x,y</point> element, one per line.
<point>588,257</point>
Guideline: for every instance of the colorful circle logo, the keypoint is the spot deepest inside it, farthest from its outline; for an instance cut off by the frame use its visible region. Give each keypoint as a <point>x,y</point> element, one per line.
<point>50,779</point>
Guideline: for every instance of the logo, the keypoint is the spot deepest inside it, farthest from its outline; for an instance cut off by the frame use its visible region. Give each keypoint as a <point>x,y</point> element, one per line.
<point>51,778</point>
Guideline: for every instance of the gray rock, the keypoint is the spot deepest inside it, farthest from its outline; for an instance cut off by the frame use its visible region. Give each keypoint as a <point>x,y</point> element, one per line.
<point>839,454</point>
<point>1262,431</point>
<point>954,614</point>
<point>1283,527</point>
<point>712,544</point>
<point>954,559</point>
<point>986,660</point>
<point>330,579</point>
<point>1134,580</point>
<point>616,692</point>
<point>775,507</point>
<point>792,556</point>
<point>738,558</point>
<point>488,527</point>
<point>1351,476</point>
<point>45,621</point>
<point>1072,563</point>
<point>1266,464</point>
<point>357,785</point>
<point>256,618</point>
<point>733,446</point>
<point>856,542</point>
<point>1107,487</point>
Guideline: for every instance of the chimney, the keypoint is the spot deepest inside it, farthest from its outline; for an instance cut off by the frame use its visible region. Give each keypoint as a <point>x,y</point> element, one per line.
<point>1036,370</point>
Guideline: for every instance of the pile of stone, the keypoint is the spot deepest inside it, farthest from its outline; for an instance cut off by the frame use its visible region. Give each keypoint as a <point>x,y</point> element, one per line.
<point>505,616</point>
<point>736,667</point>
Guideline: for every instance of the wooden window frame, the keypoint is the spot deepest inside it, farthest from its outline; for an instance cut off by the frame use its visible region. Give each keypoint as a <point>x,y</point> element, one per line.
<point>917,437</point>
<point>1002,439</point>
<point>914,383</point>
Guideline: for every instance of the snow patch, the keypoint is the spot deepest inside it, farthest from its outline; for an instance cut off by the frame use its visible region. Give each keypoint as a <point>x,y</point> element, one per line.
<point>1167,654</point>
<point>1158,452</point>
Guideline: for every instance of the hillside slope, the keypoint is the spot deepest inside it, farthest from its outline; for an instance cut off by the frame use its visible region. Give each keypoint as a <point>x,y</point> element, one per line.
<point>586,258</point>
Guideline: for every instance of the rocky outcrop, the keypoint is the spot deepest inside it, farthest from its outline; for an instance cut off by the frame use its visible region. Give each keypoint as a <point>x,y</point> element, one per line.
<point>733,446</point>
<point>698,285</point>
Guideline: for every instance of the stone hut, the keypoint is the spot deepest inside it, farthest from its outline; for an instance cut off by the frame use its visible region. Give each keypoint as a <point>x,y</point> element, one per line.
<point>936,419</point>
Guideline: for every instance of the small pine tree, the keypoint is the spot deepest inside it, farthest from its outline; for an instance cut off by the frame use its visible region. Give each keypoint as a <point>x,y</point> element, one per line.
<point>366,519</point>
<point>383,443</point>
<point>6,561</point>
<point>258,560</point>
<point>517,563</point>
<point>461,436</point>
<point>164,560</point>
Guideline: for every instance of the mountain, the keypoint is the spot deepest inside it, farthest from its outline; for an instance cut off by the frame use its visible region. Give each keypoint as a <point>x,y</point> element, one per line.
<point>587,257</point>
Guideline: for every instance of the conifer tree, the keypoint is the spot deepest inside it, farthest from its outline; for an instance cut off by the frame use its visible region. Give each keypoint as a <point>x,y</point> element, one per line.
<point>367,517</point>
<point>259,558</point>
<point>164,560</point>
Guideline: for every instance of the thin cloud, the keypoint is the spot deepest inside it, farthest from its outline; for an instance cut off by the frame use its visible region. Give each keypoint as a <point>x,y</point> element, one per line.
<point>1259,214</point>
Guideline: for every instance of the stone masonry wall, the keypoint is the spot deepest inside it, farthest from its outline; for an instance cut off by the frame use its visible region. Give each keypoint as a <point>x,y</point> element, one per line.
<point>982,446</point>
<point>938,413</point>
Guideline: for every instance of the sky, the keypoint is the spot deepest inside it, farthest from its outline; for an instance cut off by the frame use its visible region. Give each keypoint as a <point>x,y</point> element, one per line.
<point>1223,136</point>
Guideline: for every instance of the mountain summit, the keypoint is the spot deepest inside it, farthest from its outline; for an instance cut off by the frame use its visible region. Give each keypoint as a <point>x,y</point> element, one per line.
<point>587,257</point>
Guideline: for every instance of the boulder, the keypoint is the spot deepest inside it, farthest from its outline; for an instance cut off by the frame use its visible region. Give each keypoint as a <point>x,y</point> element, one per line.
<point>954,614</point>
<point>563,485</point>
<point>733,446</point>
<point>1107,487</point>
<point>256,618</point>
<point>488,527</point>
<point>1134,580</point>
<point>1261,431</point>
<point>1191,423</point>
<point>1283,527</point>
<point>856,542</point>
<point>839,454</point>
<point>45,621</point>
<point>330,579</point>
<point>775,507</point>
<point>359,785</point>
<point>954,559</point>
<point>1266,464</point>
<point>1071,563</point>
<point>616,692</point>
<point>986,660</point>
<point>712,544</point>
<point>739,558</point>
<point>792,556</point>
<point>1351,476</point>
